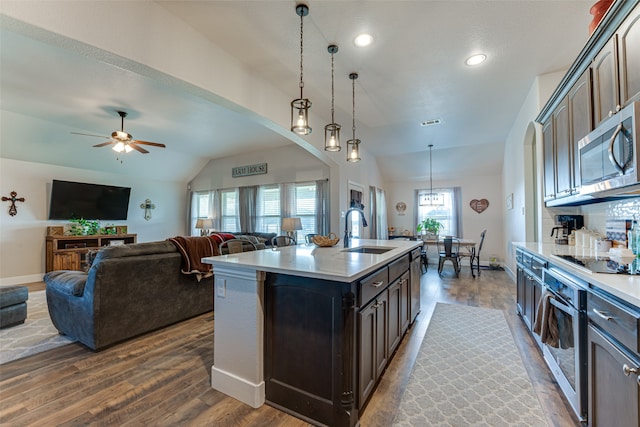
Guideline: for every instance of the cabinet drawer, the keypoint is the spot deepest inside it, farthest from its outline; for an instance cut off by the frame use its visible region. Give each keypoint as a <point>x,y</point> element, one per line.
<point>397,267</point>
<point>619,321</point>
<point>526,260</point>
<point>415,254</point>
<point>372,285</point>
<point>519,256</point>
<point>537,265</point>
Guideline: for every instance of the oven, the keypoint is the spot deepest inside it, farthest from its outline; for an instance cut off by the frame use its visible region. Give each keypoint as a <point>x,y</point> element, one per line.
<point>568,361</point>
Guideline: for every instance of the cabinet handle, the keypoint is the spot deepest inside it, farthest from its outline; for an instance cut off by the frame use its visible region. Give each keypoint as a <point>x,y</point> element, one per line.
<point>377,284</point>
<point>628,371</point>
<point>604,315</point>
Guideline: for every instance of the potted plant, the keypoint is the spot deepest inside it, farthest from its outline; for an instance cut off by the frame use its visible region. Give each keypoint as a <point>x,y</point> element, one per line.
<point>430,227</point>
<point>84,227</point>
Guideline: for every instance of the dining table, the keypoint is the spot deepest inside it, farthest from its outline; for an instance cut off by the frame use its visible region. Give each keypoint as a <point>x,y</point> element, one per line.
<point>467,248</point>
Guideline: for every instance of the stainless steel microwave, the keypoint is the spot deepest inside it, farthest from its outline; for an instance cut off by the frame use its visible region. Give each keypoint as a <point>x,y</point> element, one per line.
<point>609,158</point>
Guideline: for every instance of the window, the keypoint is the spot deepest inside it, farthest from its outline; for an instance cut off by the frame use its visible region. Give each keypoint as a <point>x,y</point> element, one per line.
<point>446,212</point>
<point>305,208</point>
<point>201,207</point>
<point>230,218</point>
<point>268,210</point>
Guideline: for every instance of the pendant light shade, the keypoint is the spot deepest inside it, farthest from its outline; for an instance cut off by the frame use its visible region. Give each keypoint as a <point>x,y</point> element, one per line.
<point>332,130</point>
<point>353,145</point>
<point>300,106</point>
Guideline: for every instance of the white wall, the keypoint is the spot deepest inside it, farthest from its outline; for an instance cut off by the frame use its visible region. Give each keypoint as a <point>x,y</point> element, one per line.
<point>518,167</point>
<point>22,237</point>
<point>472,187</point>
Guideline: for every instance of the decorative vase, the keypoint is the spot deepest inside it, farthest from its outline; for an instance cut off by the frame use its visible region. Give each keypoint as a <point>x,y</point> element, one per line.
<point>598,10</point>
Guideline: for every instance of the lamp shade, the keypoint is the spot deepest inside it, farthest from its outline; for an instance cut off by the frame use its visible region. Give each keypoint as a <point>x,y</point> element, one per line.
<point>204,223</point>
<point>291,224</point>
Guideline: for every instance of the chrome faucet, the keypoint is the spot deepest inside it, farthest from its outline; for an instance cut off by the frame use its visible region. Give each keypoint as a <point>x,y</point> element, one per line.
<point>346,224</point>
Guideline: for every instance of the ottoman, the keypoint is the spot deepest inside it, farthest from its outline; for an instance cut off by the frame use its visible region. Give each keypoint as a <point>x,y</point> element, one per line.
<point>13,305</point>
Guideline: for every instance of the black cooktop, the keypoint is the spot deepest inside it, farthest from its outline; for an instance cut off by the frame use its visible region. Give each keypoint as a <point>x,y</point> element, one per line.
<point>602,264</point>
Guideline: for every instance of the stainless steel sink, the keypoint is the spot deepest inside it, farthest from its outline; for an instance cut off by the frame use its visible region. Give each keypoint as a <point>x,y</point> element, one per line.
<point>369,250</point>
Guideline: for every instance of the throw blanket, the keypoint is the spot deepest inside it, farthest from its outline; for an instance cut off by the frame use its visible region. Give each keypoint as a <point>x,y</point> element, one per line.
<point>193,249</point>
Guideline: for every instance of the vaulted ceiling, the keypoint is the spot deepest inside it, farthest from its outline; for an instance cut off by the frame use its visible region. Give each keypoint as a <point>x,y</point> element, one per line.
<point>413,71</point>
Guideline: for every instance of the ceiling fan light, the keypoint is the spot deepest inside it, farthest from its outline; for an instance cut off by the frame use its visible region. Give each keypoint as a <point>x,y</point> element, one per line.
<point>127,148</point>
<point>119,147</point>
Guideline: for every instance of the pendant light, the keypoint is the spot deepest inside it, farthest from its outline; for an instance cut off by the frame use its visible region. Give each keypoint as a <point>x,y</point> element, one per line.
<point>332,130</point>
<point>353,145</point>
<point>300,107</point>
<point>431,198</point>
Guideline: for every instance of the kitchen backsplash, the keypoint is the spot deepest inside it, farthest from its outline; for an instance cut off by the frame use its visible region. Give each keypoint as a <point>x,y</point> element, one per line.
<point>597,215</point>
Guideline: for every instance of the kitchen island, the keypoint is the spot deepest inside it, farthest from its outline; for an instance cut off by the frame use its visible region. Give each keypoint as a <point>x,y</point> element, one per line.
<point>308,329</point>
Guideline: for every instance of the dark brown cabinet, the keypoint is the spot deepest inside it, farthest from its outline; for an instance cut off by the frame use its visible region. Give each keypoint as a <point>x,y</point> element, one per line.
<point>581,123</point>
<point>528,287</point>
<point>398,311</point>
<point>373,325</point>
<point>613,389</point>
<point>561,137</point>
<point>616,70</point>
<point>629,59</point>
<point>549,160</point>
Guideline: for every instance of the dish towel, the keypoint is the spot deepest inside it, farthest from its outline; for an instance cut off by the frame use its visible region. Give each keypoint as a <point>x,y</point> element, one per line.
<point>546,324</point>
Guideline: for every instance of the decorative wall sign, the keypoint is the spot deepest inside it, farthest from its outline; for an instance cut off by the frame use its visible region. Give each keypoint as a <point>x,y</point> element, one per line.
<point>13,210</point>
<point>479,205</point>
<point>401,207</point>
<point>147,206</point>
<point>249,170</point>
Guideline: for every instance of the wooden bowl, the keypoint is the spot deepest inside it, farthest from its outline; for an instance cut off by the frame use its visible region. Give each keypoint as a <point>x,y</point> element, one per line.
<point>325,241</point>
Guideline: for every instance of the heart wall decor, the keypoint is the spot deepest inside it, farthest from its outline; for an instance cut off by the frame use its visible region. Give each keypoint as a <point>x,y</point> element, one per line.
<point>479,205</point>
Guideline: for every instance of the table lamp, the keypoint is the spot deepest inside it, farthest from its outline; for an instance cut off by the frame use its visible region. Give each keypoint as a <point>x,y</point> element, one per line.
<point>204,225</point>
<point>291,225</point>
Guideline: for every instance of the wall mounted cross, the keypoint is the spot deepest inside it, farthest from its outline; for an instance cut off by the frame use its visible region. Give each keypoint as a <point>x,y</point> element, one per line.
<point>147,206</point>
<point>13,210</point>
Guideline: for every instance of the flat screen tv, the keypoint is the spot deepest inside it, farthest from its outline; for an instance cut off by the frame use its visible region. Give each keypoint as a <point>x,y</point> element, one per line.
<point>71,200</point>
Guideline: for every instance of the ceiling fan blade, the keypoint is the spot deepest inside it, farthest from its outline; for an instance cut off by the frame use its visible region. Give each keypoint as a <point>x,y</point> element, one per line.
<point>104,144</point>
<point>154,144</point>
<point>90,134</point>
<point>135,147</point>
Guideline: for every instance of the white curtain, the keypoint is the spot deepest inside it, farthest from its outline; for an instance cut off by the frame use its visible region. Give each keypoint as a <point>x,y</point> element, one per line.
<point>378,214</point>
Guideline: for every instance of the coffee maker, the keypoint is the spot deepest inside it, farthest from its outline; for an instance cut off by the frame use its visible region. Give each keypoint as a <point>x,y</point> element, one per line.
<point>565,224</point>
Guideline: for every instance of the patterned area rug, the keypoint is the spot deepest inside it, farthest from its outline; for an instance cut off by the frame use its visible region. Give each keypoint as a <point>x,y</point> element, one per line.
<point>469,372</point>
<point>35,335</point>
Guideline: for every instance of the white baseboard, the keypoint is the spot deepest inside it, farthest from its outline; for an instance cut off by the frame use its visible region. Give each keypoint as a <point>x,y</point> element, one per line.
<point>238,388</point>
<point>19,280</point>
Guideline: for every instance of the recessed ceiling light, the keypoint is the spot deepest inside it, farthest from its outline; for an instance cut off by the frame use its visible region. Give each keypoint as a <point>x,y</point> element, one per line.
<point>476,59</point>
<point>430,122</point>
<point>363,39</point>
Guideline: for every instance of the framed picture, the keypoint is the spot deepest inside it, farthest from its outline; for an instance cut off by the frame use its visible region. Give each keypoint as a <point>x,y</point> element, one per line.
<point>510,201</point>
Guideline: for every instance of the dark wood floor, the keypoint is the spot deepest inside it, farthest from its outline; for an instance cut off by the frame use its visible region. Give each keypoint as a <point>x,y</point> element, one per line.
<point>163,378</point>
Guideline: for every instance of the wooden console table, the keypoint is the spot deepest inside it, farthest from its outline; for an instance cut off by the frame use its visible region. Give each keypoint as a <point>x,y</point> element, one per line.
<point>69,252</point>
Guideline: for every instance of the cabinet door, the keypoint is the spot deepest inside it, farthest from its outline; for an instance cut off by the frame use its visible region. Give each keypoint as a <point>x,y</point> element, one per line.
<point>549,156</point>
<point>395,309</point>
<point>66,261</point>
<point>580,121</point>
<point>382,335</point>
<point>613,396</point>
<point>629,59</point>
<point>563,151</point>
<point>528,304</point>
<point>366,352</point>
<point>520,278</point>
<point>605,82</point>
<point>414,297</point>
<point>405,301</point>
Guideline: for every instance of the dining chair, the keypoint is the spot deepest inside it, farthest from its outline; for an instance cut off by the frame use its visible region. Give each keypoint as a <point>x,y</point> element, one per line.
<point>449,250</point>
<point>236,246</point>
<point>308,239</point>
<point>476,257</point>
<point>282,241</point>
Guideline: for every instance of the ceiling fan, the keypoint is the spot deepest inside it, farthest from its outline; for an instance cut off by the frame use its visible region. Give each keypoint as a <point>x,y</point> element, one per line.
<point>123,141</point>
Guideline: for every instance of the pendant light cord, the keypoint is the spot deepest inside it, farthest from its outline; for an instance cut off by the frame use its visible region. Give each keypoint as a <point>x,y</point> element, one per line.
<point>353,97</point>
<point>430,176</point>
<point>332,119</point>
<point>301,53</point>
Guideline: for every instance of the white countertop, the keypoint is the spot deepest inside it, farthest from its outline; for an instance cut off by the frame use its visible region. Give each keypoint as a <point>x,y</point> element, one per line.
<point>322,263</point>
<point>625,287</point>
